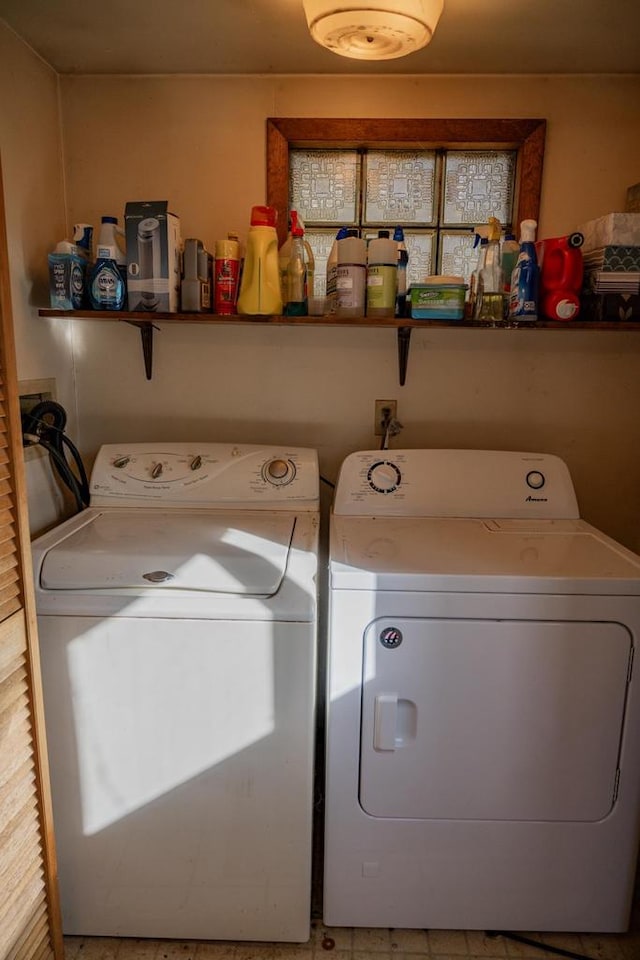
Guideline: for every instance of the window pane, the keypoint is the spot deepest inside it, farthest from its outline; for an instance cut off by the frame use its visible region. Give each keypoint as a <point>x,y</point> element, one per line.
<point>479,185</point>
<point>458,257</point>
<point>324,185</point>
<point>400,187</point>
<point>420,247</point>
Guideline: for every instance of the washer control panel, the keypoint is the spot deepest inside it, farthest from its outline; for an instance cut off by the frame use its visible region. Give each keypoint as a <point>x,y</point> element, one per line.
<point>206,474</point>
<point>455,483</point>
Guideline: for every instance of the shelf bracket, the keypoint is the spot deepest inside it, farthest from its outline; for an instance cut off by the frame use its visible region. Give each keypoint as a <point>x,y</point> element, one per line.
<point>146,328</point>
<point>404,340</point>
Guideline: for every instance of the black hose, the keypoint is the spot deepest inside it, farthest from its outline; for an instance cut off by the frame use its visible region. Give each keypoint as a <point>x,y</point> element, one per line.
<point>45,425</point>
<point>560,951</point>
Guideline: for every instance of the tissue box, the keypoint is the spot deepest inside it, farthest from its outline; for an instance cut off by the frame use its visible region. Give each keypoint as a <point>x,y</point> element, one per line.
<point>613,259</point>
<point>153,256</point>
<point>615,229</point>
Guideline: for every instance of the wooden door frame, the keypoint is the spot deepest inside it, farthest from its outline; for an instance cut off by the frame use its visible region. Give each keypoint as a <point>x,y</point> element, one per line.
<point>23,544</point>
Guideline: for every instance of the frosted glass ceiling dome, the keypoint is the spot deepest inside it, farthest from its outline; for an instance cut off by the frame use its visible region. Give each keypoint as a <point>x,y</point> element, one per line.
<point>372,29</point>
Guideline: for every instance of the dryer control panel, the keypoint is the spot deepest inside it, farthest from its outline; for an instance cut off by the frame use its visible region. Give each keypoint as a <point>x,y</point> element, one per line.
<point>455,483</point>
<point>205,474</point>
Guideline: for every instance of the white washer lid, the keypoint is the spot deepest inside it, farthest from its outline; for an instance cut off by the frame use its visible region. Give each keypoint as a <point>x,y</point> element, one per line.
<point>401,553</point>
<point>242,554</point>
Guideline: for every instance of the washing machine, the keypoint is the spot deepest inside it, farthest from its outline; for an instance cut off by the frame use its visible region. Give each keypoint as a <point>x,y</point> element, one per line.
<point>177,625</point>
<point>483,725</point>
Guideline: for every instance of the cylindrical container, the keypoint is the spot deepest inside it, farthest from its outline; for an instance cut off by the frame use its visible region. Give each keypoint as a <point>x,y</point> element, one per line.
<point>523,300</point>
<point>260,293</point>
<point>475,276</point>
<point>149,261</point>
<point>403,263</point>
<point>509,257</point>
<point>107,281</point>
<point>297,304</point>
<point>226,275</point>
<point>351,276</point>
<point>332,273</point>
<point>382,276</point>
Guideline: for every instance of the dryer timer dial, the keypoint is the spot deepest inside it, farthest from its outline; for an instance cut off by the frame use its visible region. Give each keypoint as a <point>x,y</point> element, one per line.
<point>384,476</point>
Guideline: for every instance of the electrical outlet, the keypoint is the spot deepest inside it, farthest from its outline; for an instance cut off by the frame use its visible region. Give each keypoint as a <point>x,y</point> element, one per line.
<point>384,409</point>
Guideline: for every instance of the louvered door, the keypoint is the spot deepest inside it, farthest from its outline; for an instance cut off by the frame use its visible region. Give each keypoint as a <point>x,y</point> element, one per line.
<point>29,914</point>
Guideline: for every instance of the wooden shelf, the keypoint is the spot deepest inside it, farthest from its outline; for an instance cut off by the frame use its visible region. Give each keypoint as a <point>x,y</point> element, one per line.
<point>147,323</point>
<point>393,322</point>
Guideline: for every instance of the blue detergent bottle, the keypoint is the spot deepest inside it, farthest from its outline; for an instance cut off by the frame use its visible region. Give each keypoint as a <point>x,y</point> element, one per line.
<point>523,298</point>
<point>107,288</point>
<point>403,261</point>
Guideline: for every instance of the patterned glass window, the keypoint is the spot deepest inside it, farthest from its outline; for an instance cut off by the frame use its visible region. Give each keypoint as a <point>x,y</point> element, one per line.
<point>478,185</point>
<point>324,185</point>
<point>459,256</point>
<point>438,196</point>
<point>399,187</point>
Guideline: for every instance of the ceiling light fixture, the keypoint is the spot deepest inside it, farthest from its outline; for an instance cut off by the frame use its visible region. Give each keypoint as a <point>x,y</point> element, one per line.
<point>372,29</point>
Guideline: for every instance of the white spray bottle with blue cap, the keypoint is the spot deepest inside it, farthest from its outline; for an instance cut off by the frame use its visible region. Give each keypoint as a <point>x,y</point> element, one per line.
<point>523,298</point>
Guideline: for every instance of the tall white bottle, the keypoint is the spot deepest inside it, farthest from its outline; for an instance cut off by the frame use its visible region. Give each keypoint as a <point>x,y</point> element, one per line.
<point>331,298</point>
<point>351,279</point>
<point>382,276</point>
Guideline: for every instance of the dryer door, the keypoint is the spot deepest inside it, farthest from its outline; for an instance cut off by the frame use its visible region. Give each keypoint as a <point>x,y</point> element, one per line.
<point>504,720</point>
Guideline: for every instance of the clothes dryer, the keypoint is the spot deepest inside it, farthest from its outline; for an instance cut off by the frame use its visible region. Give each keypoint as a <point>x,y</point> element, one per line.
<point>177,624</point>
<point>483,726</point>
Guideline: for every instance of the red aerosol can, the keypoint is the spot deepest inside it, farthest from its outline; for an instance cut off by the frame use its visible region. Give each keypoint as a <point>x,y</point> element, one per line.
<point>561,271</point>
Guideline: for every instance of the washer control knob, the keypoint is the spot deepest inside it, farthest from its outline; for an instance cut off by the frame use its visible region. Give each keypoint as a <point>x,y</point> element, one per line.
<point>156,471</point>
<point>158,576</point>
<point>384,476</point>
<point>121,462</point>
<point>535,479</point>
<point>196,463</point>
<point>279,472</point>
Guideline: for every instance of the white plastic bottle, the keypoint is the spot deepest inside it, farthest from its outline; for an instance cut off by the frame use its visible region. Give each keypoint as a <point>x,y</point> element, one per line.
<point>331,298</point>
<point>382,276</point>
<point>351,279</point>
<point>109,244</point>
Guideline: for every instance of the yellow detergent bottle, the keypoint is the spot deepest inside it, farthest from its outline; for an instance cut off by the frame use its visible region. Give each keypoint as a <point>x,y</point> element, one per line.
<point>260,293</point>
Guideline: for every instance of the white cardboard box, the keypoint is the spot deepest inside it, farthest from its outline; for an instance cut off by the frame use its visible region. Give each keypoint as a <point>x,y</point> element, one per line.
<point>153,256</point>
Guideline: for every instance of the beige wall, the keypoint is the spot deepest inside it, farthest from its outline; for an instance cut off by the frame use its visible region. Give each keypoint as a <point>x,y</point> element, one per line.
<point>32,170</point>
<point>200,142</point>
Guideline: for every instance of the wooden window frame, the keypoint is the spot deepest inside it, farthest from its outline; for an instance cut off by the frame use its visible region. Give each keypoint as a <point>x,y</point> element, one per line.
<point>527,137</point>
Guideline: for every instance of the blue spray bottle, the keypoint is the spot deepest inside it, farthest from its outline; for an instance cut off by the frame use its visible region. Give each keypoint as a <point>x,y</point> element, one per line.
<point>523,298</point>
<point>403,260</point>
